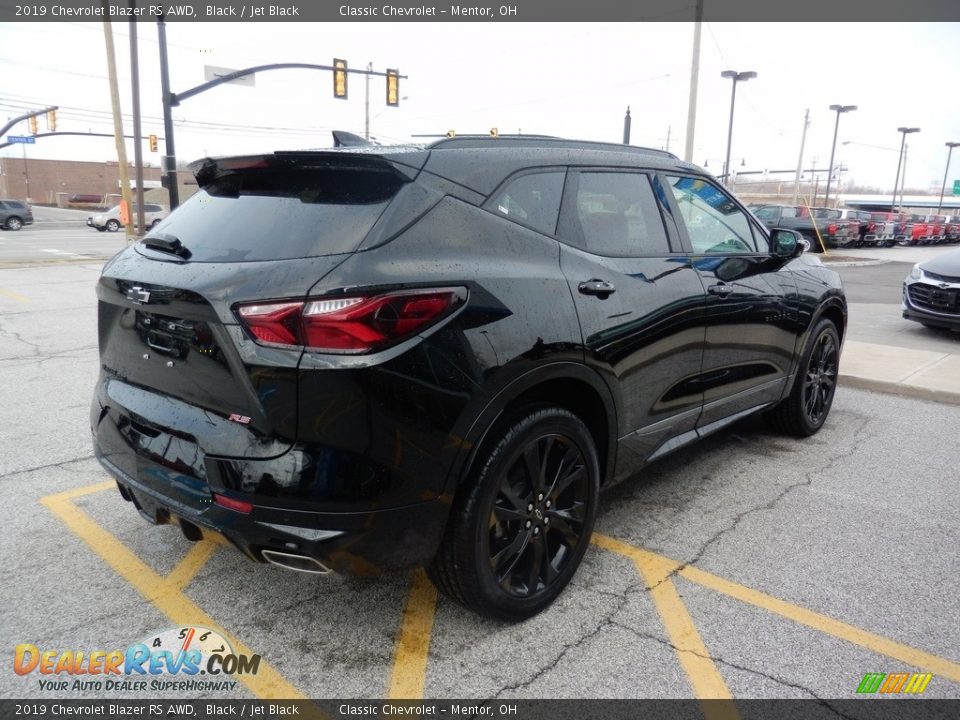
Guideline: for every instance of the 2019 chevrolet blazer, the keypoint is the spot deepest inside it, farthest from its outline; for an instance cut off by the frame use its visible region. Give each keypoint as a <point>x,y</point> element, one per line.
<point>370,358</point>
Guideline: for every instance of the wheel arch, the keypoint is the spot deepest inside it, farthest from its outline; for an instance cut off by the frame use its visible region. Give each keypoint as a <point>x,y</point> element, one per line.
<point>835,311</point>
<point>568,385</point>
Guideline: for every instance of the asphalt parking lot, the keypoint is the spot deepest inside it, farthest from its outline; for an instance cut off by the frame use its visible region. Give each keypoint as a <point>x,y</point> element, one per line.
<point>749,566</point>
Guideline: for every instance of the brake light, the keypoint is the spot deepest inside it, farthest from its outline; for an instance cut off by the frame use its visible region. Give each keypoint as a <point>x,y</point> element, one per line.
<point>831,229</point>
<point>349,324</point>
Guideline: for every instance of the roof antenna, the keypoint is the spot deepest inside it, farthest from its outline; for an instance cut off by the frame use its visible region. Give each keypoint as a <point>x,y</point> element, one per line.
<point>342,138</point>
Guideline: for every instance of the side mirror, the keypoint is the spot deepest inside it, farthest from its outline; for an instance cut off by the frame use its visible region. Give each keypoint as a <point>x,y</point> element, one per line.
<point>787,243</point>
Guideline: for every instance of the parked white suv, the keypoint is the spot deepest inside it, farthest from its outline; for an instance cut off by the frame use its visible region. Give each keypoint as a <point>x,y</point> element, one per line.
<point>110,220</point>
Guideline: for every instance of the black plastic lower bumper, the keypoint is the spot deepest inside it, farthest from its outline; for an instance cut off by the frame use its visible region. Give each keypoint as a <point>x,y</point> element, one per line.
<point>359,543</point>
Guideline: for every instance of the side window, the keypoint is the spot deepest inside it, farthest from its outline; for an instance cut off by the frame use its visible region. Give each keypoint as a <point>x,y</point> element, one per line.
<point>767,214</point>
<point>619,215</point>
<point>532,200</point>
<point>715,224</point>
<point>789,212</point>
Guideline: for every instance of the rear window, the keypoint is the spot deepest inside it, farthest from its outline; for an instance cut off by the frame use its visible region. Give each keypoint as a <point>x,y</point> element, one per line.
<point>281,214</point>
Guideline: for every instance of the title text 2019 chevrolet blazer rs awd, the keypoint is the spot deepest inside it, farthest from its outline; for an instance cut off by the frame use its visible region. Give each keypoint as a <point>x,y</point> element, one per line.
<point>367,359</point>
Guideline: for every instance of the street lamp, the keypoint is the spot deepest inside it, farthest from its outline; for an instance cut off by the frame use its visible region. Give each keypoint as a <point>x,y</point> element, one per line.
<point>946,171</point>
<point>905,131</point>
<point>838,109</point>
<point>736,77</point>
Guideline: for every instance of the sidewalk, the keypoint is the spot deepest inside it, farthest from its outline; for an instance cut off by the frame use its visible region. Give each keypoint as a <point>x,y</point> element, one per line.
<point>925,374</point>
<point>885,353</point>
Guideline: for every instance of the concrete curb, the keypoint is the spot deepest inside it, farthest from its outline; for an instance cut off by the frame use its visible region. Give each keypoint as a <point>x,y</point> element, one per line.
<point>888,387</point>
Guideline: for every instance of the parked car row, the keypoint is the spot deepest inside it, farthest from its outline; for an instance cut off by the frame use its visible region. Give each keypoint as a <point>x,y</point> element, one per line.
<point>855,228</point>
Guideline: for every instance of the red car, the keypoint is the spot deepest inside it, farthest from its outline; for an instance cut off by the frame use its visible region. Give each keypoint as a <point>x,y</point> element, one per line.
<point>913,230</point>
<point>937,228</point>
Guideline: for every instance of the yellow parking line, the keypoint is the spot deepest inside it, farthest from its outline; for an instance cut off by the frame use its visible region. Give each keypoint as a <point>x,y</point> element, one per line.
<point>656,568</point>
<point>865,639</point>
<point>692,654</point>
<point>14,295</point>
<point>409,672</point>
<point>85,490</point>
<point>187,568</point>
<point>266,684</point>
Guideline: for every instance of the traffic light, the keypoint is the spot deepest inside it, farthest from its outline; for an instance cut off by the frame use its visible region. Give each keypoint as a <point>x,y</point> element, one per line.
<point>52,120</point>
<point>393,87</point>
<point>33,124</point>
<point>340,78</point>
<point>153,143</point>
<point>451,133</point>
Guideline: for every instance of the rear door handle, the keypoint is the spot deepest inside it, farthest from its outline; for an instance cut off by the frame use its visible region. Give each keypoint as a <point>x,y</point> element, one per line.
<point>594,286</point>
<point>721,290</point>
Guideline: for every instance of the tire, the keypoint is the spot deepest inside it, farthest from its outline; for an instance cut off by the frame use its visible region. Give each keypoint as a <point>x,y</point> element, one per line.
<point>805,410</point>
<point>14,223</point>
<point>113,225</point>
<point>152,225</point>
<point>513,541</point>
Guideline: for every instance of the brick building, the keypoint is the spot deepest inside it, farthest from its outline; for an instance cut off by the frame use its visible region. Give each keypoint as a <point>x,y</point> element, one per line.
<point>54,182</point>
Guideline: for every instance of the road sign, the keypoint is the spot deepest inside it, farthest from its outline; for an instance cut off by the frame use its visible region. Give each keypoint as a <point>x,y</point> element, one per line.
<point>956,187</point>
<point>32,141</point>
<point>211,72</point>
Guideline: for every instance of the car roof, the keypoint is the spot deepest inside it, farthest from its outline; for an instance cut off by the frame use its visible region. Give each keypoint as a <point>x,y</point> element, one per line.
<point>479,163</point>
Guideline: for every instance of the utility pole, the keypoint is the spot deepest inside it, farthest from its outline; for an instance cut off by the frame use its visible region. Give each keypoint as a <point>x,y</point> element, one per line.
<point>903,180</point>
<point>168,163</point>
<point>694,74</point>
<point>26,172</point>
<point>366,104</point>
<point>135,93</point>
<point>668,138</point>
<point>626,127</point>
<point>803,141</point>
<point>118,125</point>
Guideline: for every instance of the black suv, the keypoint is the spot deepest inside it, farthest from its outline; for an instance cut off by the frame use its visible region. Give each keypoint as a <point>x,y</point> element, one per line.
<point>366,359</point>
<point>14,214</point>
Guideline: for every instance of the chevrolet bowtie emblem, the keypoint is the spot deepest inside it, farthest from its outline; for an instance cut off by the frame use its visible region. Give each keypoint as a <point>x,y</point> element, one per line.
<point>138,295</point>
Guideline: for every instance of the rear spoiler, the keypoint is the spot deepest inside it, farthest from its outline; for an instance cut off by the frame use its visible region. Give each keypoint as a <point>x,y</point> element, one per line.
<point>352,153</point>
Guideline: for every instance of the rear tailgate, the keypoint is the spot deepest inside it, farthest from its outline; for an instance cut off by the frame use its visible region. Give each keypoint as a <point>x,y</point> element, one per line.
<point>181,379</point>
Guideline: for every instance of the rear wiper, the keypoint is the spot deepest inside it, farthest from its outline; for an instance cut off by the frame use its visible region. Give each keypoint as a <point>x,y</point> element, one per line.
<point>165,242</point>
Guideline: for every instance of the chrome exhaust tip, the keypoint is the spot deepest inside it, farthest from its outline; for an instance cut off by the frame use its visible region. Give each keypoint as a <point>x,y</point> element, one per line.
<point>300,563</point>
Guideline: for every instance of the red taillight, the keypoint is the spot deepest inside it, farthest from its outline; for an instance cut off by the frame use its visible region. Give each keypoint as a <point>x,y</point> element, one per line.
<point>240,506</point>
<point>831,229</point>
<point>349,324</point>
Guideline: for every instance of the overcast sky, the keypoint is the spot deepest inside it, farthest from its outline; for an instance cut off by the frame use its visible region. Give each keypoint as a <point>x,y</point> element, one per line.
<point>573,80</point>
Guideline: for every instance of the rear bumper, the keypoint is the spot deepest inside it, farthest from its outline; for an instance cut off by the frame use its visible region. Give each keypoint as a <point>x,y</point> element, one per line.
<point>358,543</point>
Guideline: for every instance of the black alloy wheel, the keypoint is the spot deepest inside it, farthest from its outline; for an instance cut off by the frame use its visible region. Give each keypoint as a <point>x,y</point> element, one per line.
<point>820,381</point>
<point>804,411</point>
<point>538,516</point>
<point>522,522</point>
